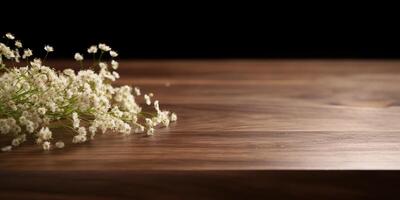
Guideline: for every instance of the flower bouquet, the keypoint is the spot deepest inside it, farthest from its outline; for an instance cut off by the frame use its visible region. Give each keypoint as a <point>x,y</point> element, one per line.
<point>36,100</point>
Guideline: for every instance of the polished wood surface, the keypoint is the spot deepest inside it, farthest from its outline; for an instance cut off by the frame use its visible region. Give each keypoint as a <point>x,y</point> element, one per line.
<point>242,116</point>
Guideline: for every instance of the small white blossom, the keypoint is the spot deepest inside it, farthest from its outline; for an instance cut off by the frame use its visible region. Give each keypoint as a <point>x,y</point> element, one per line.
<point>82,131</point>
<point>10,36</point>
<point>103,66</point>
<point>78,57</point>
<point>113,54</point>
<point>18,44</point>
<point>48,48</point>
<point>79,139</point>
<point>27,53</point>
<point>6,148</point>
<point>116,75</point>
<point>60,144</point>
<point>75,120</point>
<point>19,140</point>
<point>104,47</point>
<point>137,91</point>
<point>157,106</point>
<point>92,49</point>
<point>147,99</point>
<point>150,131</point>
<point>42,110</point>
<point>114,64</point>
<point>45,133</point>
<point>46,146</point>
<point>174,117</point>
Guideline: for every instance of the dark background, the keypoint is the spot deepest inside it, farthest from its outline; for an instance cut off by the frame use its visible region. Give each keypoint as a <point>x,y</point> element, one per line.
<point>216,32</point>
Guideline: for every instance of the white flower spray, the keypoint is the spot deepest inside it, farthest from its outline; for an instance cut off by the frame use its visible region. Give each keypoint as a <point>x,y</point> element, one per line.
<point>37,99</point>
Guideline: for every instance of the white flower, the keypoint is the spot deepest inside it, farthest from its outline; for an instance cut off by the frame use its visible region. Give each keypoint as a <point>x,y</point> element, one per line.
<point>104,47</point>
<point>18,44</point>
<point>103,66</point>
<point>113,54</point>
<point>18,140</point>
<point>82,131</point>
<point>114,64</point>
<point>69,72</point>
<point>48,48</point>
<point>6,148</point>
<point>15,142</point>
<point>6,51</point>
<point>116,75</point>
<point>174,117</point>
<point>149,122</point>
<point>45,133</point>
<point>10,36</point>
<point>147,99</point>
<point>79,138</point>
<point>92,49</point>
<point>27,53</point>
<point>46,146</point>
<point>150,131</point>
<point>157,106</point>
<point>75,120</point>
<point>165,122</point>
<point>60,144</point>
<point>30,126</point>
<point>42,110</point>
<point>78,57</point>
<point>137,91</point>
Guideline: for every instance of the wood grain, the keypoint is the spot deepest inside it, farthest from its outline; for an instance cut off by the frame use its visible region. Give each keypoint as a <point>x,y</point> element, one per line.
<point>245,115</point>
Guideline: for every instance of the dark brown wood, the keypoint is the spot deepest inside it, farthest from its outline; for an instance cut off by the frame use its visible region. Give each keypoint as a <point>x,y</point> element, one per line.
<point>349,185</point>
<point>251,115</point>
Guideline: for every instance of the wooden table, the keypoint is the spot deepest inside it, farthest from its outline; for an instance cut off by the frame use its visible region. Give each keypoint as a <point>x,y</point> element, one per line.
<point>249,129</point>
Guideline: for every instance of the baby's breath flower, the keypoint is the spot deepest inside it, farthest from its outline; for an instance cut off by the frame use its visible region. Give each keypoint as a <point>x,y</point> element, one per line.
<point>35,96</point>
<point>46,146</point>
<point>45,133</point>
<point>149,122</point>
<point>147,99</point>
<point>18,44</point>
<point>137,91</point>
<point>27,53</point>
<point>75,120</point>
<point>82,131</point>
<point>113,54</point>
<point>42,110</point>
<point>10,36</point>
<point>103,66</point>
<point>18,140</point>
<point>92,49</point>
<point>116,75</point>
<point>48,48</point>
<point>6,148</point>
<point>104,47</point>
<point>78,57</point>
<point>114,64</point>
<point>60,144</point>
<point>6,51</point>
<point>174,117</point>
<point>157,106</point>
<point>150,131</point>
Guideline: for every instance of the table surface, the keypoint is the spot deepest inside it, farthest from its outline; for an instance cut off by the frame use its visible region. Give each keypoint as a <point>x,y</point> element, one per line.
<point>245,115</point>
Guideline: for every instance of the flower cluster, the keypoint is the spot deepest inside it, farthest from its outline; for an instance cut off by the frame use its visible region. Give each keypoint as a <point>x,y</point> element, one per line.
<point>36,99</point>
